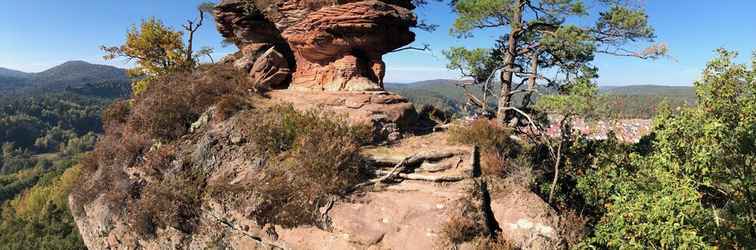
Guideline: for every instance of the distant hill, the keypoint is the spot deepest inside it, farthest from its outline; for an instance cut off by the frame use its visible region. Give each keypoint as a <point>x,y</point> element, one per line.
<point>651,90</point>
<point>634,101</point>
<point>75,76</point>
<point>442,93</point>
<point>13,73</point>
<point>12,79</point>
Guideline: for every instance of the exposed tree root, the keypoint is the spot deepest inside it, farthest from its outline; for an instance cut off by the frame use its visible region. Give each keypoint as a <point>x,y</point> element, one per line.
<point>431,178</point>
<point>413,160</point>
<point>416,158</point>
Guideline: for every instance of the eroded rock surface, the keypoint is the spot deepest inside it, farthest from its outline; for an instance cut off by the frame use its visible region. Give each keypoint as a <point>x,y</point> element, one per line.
<point>526,220</point>
<point>389,115</point>
<point>404,215</point>
<point>328,45</point>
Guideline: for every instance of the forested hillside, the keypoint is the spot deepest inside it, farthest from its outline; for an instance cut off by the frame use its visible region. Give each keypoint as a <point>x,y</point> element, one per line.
<point>633,101</point>
<point>47,121</point>
<point>73,76</point>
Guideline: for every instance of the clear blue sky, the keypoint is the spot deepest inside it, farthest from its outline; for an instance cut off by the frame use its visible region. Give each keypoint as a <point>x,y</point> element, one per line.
<point>38,34</point>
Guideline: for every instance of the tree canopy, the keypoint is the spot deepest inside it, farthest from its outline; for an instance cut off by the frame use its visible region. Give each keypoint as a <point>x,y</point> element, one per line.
<point>548,36</point>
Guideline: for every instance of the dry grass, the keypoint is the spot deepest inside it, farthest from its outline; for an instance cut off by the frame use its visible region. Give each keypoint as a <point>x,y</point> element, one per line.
<point>487,134</point>
<point>230,105</point>
<point>492,163</point>
<point>487,243</point>
<point>494,141</point>
<point>312,158</point>
<point>468,221</point>
<point>116,114</point>
<point>460,229</point>
<point>170,104</point>
<point>572,228</point>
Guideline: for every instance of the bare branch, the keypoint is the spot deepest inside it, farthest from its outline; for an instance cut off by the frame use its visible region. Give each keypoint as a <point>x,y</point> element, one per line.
<point>426,47</point>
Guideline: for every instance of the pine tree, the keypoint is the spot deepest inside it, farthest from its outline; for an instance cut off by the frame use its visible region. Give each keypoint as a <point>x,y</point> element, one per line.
<point>551,35</point>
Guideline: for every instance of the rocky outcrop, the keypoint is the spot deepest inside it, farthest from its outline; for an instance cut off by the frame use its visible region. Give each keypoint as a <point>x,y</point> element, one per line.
<point>389,115</point>
<point>328,45</point>
<point>412,210</point>
<point>410,214</point>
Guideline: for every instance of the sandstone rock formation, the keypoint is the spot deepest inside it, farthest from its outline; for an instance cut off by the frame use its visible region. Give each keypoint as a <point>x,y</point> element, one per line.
<point>387,114</point>
<point>327,45</point>
<point>410,214</point>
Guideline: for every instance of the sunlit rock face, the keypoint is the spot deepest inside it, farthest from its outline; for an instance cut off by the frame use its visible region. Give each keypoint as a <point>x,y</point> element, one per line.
<point>316,45</point>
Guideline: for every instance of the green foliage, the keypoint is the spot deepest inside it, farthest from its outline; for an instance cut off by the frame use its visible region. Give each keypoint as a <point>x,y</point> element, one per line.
<point>31,125</point>
<point>157,49</point>
<point>547,35</point>
<point>653,209</point>
<point>39,217</point>
<point>577,98</point>
<point>474,14</point>
<point>43,133</point>
<point>477,63</point>
<point>691,184</point>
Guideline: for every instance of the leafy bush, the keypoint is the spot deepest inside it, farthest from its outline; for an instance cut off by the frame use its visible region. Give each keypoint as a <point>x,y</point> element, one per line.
<point>690,185</point>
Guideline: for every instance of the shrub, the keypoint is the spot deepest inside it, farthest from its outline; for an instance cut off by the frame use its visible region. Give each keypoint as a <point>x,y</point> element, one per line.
<point>171,103</point>
<point>572,228</point>
<point>173,201</point>
<point>116,113</point>
<point>460,229</point>
<point>469,221</point>
<point>487,134</point>
<point>230,105</point>
<point>494,141</point>
<point>312,157</point>
<point>276,130</point>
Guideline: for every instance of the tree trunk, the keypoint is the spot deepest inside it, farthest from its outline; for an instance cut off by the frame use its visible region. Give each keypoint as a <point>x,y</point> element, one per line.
<point>190,45</point>
<point>532,80</point>
<point>507,73</point>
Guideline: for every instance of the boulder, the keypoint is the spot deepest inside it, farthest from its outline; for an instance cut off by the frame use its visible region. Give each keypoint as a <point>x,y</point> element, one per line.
<point>525,219</point>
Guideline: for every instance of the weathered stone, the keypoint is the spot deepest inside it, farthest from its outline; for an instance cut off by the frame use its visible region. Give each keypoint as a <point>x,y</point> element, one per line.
<point>387,117</point>
<point>525,219</point>
<point>270,69</point>
<point>332,45</point>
